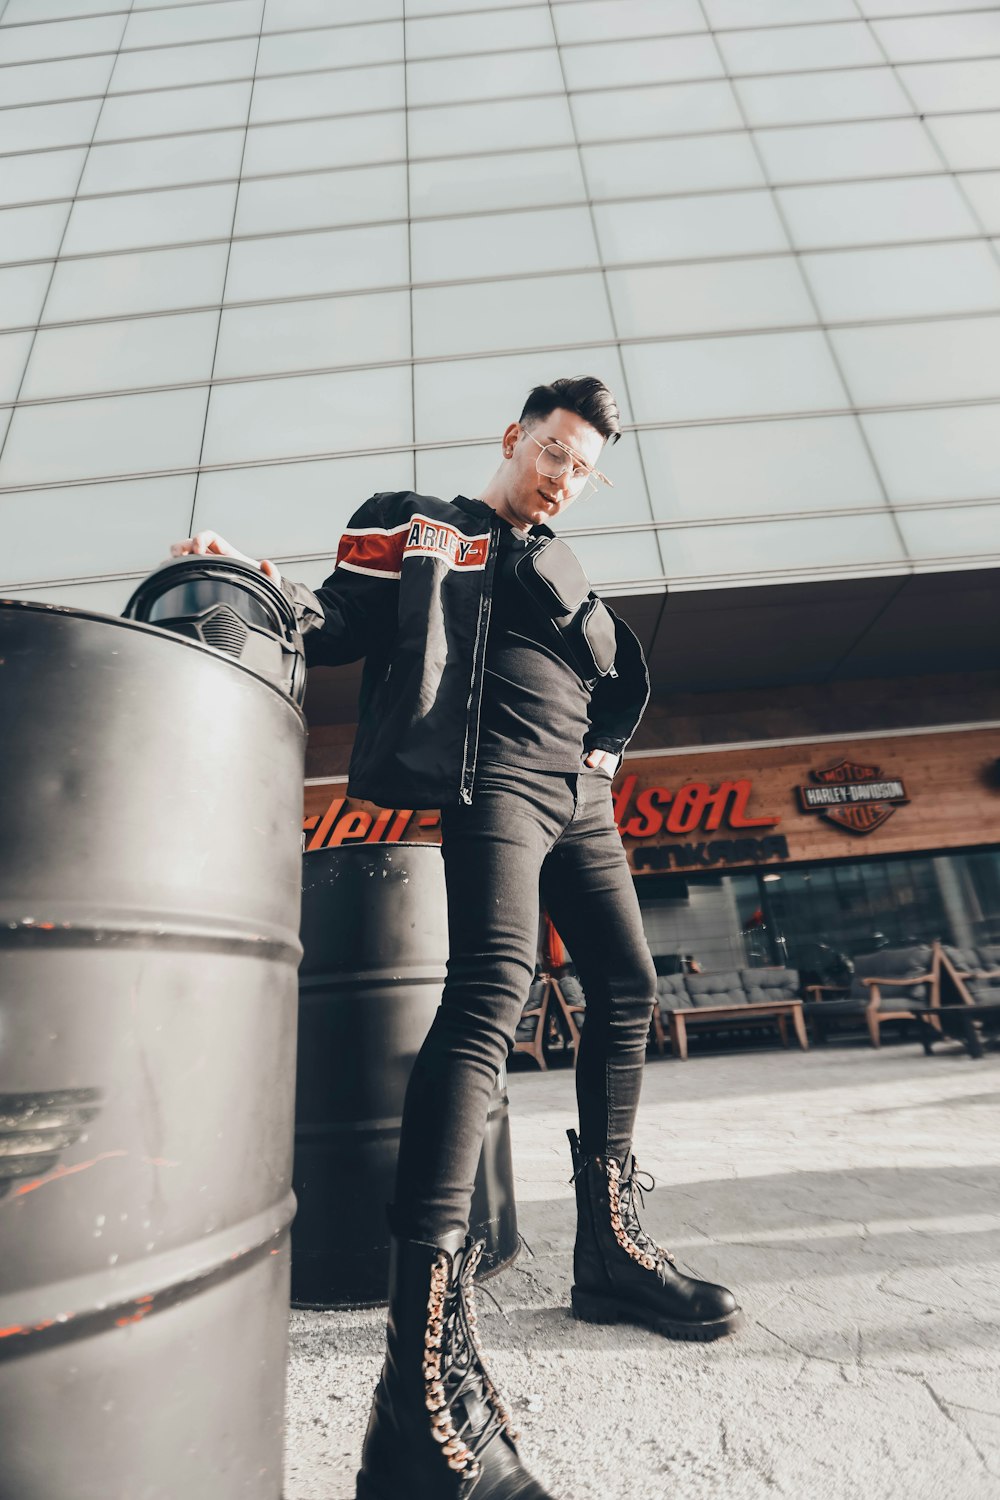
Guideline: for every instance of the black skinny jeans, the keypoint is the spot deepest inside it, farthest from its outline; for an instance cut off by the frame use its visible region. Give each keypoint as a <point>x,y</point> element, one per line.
<point>524,829</point>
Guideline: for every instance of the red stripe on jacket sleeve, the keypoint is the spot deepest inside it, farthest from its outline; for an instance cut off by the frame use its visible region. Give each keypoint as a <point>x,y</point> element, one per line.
<point>372,551</point>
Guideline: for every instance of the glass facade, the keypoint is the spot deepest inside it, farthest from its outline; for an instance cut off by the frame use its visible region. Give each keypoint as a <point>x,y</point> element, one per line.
<point>259,258</point>
<point>811,917</point>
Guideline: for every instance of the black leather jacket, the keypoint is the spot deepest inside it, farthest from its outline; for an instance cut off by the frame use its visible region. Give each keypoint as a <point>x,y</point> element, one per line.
<point>411,593</point>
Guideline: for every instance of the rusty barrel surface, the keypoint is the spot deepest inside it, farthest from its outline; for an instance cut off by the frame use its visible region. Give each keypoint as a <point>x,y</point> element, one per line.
<point>375,940</point>
<point>150,814</point>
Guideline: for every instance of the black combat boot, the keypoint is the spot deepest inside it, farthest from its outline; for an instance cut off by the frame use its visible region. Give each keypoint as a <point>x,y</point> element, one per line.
<point>620,1275</point>
<point>438,1429</point>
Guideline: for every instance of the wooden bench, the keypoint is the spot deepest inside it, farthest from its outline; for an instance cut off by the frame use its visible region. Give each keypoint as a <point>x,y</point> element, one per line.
<point>778,1012</point>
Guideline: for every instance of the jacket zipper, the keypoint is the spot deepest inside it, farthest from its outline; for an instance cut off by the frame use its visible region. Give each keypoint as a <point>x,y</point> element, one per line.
<point>478,670</point>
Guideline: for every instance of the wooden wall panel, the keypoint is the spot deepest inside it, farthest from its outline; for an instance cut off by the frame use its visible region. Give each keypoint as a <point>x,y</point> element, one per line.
<point>950,780</point>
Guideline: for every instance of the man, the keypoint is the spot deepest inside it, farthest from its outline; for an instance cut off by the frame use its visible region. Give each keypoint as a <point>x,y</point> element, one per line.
<point>498,688</point>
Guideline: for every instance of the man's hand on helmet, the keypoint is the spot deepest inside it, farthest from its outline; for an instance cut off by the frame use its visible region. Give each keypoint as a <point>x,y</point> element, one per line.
<point>210,542</point>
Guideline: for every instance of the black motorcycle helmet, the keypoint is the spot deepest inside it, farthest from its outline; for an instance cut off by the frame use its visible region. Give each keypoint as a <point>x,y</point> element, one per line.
<point>232,606</point>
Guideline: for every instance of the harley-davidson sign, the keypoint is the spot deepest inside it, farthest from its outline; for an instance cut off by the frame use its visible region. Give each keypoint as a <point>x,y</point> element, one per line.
<point>858,798</point>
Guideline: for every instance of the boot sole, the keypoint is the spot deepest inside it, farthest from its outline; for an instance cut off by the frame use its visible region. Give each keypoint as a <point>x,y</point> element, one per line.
<point>590,1308</point>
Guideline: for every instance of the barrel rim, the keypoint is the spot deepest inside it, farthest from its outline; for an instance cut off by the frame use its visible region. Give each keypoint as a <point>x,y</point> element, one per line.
<point>157,630</point>
<point>383,848</point>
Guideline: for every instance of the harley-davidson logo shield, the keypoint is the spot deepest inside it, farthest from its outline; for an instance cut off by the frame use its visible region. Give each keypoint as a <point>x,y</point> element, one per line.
<point>852,796</point>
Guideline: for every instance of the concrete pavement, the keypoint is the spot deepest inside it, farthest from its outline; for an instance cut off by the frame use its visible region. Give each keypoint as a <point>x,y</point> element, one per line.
<point>851,1197</point>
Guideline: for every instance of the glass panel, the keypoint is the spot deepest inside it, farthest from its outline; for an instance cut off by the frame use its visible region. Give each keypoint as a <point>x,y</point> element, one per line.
<point>798,99</point>
<point>931,37</point>
<point>309,414</point>
<point>725,13</point>
<point>971,534</point>
<point>490,127</point>
<point>210,62</point>
<point>503,244</point>
<point>629,557</point>
<point>614,20</point>
<point>819,151</point>
<point>112,435</point>
<point>486,32</point>
<point>41,175</point>
<point>777,372</point>
<point>19,44</point>
<point>284,509</point>
<point>914,7</point>
<point>18,11</point>
<point>448,472</point>
<point>475,398</point>
<point>325,143</point>
<point>960,85</point>
<point>657,60</point>
<point>465,185</point>
<point>872,212</point>
<point>349,91</point>
<point>921,361</point>
<point>435,7</point>
<point>58,80</point>
<point>167,162</point>
<point>625,505</point>
<point>22,292</point>
<point>334,47</point>
<point>683,228</point>
<point>94,528</point>
<point>336,260</point>
<point>968,141</point>
<point>705,299</point>
<point>280,14</point>
<point>14,349</point>
<point>313,199</point>
<point>117,356</point>
<point>494,75</point>
<point>692,164</point>
<point>149,281</point>
<point>202,108</point>
<point>49,125</point>
<point>311,335</point>
<point>758,551</point>
<point>673,109</point>
<point>787,50</point>
<point>509,315</point>
<point>913,281</point>
<point>758,468</point>
<point>983,192</point>
<point>947,454</point>
<point>140,219</point>
<point>31,233</point>
<point>193,23</point>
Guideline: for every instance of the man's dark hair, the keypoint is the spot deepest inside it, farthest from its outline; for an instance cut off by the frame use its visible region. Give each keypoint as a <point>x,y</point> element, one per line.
<point>584,394</point>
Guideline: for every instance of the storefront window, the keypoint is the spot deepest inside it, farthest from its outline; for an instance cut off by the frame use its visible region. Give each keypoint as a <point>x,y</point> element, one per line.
<point>815,918</point>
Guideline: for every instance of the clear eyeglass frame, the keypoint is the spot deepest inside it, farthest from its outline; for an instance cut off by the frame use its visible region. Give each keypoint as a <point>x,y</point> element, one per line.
<point>563,458</point>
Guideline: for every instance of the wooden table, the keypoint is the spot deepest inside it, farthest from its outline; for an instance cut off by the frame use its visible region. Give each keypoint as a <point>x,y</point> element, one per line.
<point>780,1011</point>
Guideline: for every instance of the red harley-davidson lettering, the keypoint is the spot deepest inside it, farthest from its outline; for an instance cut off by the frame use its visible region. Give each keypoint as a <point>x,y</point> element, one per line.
<point>693,806</point>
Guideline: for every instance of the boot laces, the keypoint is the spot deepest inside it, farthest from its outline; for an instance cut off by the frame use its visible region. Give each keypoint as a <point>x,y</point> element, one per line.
<point>459,1370</point>
<point>628,1189</point>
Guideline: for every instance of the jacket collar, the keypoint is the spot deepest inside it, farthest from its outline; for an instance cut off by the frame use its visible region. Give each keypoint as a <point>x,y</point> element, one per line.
<point>480,509</point>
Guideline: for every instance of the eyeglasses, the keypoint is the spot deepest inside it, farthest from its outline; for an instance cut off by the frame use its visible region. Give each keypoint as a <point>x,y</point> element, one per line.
<point>556,459</point>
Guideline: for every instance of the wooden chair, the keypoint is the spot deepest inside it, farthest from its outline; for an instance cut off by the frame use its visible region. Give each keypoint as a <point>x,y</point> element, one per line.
<point>569,1008</point>
<point>875,1015</point>
<point>535,1010</point>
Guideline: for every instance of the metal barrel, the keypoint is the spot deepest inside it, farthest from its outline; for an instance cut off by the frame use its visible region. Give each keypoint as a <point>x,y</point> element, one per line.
<point>375,945</point>
<point>150,852</point>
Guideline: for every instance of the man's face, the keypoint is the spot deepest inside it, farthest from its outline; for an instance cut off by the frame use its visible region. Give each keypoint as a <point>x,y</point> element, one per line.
<point>533,497</point>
